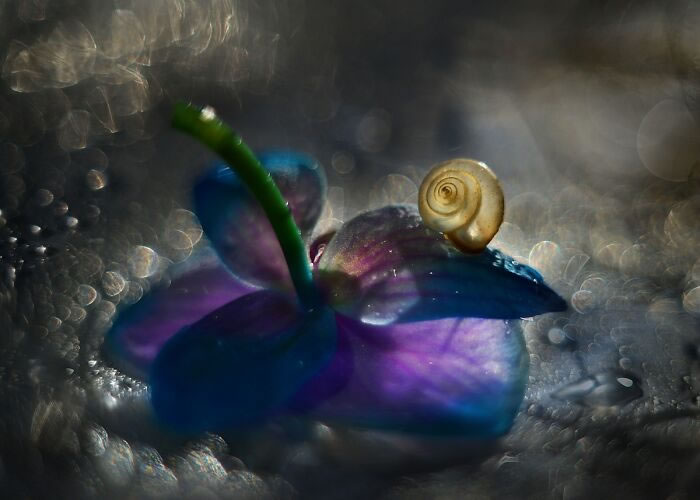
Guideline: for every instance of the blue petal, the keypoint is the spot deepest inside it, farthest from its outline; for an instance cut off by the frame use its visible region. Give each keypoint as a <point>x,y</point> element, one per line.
<point>236,224</point>
<point>240,364</point>
<point>385,266</point>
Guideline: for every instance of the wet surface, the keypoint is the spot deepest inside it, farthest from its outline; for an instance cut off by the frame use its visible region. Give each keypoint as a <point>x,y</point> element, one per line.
<point>587,113</point>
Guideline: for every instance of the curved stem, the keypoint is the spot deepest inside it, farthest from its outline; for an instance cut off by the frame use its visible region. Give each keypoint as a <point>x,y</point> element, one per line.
<point>221,139</point>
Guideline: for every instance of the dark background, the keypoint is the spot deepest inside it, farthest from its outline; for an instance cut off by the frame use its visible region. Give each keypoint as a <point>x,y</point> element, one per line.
<point>587,110</point>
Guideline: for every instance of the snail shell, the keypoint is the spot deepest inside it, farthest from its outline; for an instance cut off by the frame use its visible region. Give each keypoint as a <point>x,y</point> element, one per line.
<point>463,199</point>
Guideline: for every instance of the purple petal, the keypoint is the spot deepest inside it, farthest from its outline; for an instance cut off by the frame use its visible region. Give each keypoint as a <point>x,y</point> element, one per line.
<point>385,266</point>
<point>141,330</point>
<point>237,226</point>
<point>461,377</point>
<point>240,364</point>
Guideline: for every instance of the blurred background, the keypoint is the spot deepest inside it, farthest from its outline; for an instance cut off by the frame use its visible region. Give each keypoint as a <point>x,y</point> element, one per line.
<point>588,111</point>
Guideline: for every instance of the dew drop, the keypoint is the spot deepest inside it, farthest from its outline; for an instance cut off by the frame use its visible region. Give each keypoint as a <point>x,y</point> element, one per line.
<point>74,130</point>
<point>53,323</point>
<point>691,301</point>
<point>133,294</point>
<point>208,113</point>
<point>393,189</point>
<point>113,283</point>
<point>77,314</point>
<point>60,208</point>
<point>374,131</point>
<point>10,275</point>
<point>44,197</point>
<point>547,257</point>
<point>116,464</point>
<point>96,180</point>
<point>125,37</point>
<point>86,295</point>
<point>667,141</point>
<point>94,441</point>
<point>603,389</point>
<point>342,162</point>
<point>11,158</point>
<point>583,301</point>
<point>182,229</point>
<point>178,239</point>
<point>143,261</point>
<point>556,336</point>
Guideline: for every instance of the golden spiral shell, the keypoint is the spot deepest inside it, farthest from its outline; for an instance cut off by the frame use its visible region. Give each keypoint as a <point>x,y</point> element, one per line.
<point>463,199</point>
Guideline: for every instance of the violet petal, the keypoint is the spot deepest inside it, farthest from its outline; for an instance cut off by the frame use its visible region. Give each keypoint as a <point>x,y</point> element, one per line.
<point>461,377</point>
<point>385,266</point>
<point>140,331</point>
<point>237,226</point>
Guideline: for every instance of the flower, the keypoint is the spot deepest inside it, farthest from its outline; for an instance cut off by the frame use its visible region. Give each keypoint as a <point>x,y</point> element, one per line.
<point>400,330</point>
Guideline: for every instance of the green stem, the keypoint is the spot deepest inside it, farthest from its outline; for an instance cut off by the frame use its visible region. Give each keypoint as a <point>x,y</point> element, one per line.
<point>220,138</point>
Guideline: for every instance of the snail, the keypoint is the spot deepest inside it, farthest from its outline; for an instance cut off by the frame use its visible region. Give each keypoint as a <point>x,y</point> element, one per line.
<point>463,199</point>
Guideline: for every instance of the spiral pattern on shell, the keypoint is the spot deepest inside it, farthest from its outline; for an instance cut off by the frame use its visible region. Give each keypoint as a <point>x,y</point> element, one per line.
<point>463,199</point>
